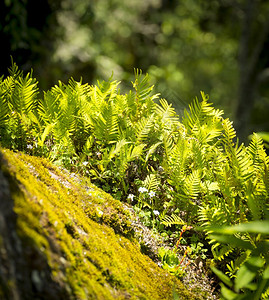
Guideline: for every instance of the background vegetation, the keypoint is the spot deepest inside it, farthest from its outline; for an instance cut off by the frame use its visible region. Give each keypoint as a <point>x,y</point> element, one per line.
<point>219,46</point>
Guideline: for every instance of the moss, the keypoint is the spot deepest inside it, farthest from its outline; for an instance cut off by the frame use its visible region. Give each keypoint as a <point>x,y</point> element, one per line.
<point>83,233</point>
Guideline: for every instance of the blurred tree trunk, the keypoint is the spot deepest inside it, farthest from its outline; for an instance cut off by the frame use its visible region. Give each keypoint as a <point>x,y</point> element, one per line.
<point>254,35</point>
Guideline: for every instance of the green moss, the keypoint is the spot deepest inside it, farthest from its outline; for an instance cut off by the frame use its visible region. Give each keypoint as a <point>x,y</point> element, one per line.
<point>84,234</point>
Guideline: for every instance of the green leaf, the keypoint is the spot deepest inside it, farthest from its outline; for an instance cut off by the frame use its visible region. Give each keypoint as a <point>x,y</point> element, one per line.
<point>266,273</point>
<point>47,130</point>
<point>222,276</point>
<point>248,272</point>
<point>227,293</point>
<point>232,240</point>
<point>261,227</point>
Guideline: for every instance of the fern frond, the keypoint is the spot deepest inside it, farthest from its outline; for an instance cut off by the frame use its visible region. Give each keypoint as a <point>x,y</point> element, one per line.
<point>265,294</point>
<point>192,186</point>
<point>151,182</point>
<point>48,108</point>
<point>143,127</point>
<point>198,113</point>
<point>168,141</point>
<point>167,114</point>
<point>105,125</point>
<point>117,148</point>
<point>128,153</point>
<point>27,93</point>
<point>105,91</point>
<point>172,220</point>
<point>141,86</point>
<point>220,251</point>
<point>14,70</point>
<point>229,132</point>
<point>151,150</point>
<point>4,110</point>
<point>135,152</point>
<point>257,153</point>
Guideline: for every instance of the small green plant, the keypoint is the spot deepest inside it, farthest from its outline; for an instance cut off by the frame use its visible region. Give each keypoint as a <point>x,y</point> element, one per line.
<point>171,261</point>
<point>197,250</point>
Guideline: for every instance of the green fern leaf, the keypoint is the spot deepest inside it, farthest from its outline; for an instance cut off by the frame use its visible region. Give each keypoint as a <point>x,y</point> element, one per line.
<point>151,182</point>
<point>141,86</point>
<point>143,127</point>
<point>192,185</point>
<point>172,220</point>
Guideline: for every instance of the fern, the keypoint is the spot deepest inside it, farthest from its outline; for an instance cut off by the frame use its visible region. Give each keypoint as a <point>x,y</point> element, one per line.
<point>192,185</point>
<point>198,112</point>
<point>229,132</point>
<point>151,182</point>
<point>167,114</point>
<point>142,89</point>
<point>172,220</point>
<point>206,173</point>
<point>265,294</point>
<point>143,127</point>
<point>4,109</point>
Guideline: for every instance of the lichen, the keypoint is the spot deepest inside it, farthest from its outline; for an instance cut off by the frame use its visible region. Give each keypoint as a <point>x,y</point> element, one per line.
<point>85,235</point>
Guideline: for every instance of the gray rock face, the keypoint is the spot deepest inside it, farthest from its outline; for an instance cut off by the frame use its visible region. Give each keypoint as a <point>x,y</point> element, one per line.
<point>9,243</point>
<point>24,272</point>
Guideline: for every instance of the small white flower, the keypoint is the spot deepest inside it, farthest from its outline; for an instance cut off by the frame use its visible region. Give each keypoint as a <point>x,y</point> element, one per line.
<point>85,163</point>
<point>152,194</point>
<point>142,190</point>
<point>131,197</point>
<point>99,212</point>
<point>29,146</point>
<point>156,212</point>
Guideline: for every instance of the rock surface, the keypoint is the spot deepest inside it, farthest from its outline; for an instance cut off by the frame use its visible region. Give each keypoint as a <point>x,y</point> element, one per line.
<point>63,238</point>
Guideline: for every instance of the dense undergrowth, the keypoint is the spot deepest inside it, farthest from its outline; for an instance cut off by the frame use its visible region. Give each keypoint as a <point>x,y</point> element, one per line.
<point>178,174</point>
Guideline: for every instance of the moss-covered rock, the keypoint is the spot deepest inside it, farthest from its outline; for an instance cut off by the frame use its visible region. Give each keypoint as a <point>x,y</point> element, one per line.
<point>63,238</point>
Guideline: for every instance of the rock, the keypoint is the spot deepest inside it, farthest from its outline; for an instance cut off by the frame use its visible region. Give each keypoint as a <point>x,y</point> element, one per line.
<point>55,243</point>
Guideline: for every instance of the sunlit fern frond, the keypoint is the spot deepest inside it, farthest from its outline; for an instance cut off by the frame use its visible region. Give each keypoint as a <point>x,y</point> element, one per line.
<point>152,150</point>
<point>221,251</point>
<point>27,93</point>
<point>116,148</point>
<point>257,152</point>
<point>141,86</point>
<point>168,142</point>
<point>143,127</point>
<point>127,153</point>
<point>151,182</point>
<point>48,108</point>
<point>192,186</point>
<point>167,114</point>
<point>265,294</point>
<point>199,112</point>
<point>211,213</point>
<point>229,133</point>
<point>172,220</point>
<point>135,152</point>
<point>105,90</point>
<point>4,109</point>
<point>20,91</point>
<point>105,125</point>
